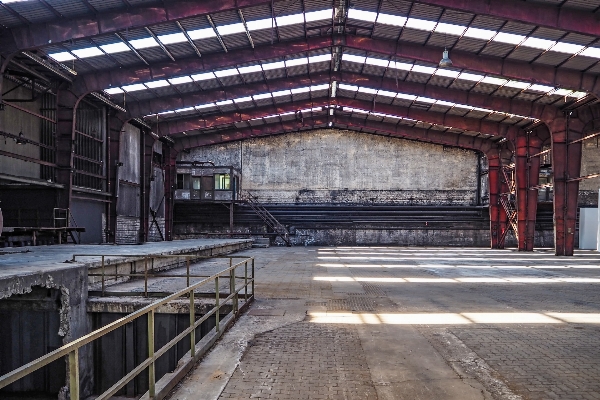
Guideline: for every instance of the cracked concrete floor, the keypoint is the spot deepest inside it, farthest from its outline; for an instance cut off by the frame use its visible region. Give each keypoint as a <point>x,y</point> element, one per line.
<point>411,323</point>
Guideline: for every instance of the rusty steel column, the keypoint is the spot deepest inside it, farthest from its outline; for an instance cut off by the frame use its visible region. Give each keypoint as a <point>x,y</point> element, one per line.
<point>527,171</point>
<point>115,129</point>
<point>147,147</point>
<point>498,217</point>
<point>66,110</point>
<point>170,156</point>
<point>566,165</point>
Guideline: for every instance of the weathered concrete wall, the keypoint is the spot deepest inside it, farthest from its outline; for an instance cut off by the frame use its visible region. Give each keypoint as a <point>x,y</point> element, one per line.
<point>15,121</point>
<point>336,166</point>
<point>74,322</point>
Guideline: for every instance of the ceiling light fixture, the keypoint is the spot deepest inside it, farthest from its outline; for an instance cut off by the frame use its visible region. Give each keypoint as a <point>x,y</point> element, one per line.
<point>445,61</point>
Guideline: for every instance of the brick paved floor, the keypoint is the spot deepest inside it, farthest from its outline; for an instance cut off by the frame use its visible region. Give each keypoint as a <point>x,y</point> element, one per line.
<point>303,361</point>
<point>420,323</point>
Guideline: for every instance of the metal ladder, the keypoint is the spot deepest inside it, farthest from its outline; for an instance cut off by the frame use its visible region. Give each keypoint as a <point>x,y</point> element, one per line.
<point>267,218</point>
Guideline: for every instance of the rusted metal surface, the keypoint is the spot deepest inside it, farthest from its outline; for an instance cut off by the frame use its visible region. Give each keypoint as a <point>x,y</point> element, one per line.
<point>498,216</point>
<point>527,174</point>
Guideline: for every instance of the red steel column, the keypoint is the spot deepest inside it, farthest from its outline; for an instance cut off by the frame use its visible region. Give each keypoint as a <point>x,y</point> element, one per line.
<point>528,171</point>
<point>498,217</point>
<point>566,164</point>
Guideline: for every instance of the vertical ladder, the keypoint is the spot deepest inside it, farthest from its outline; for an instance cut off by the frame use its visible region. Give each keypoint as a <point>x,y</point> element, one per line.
<point>267,218</point>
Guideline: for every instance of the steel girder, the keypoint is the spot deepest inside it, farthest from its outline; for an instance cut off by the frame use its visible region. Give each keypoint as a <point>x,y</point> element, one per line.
<point>172,102</point>
<point>496,103</point>
<point>189,124</point>
<point>498,215</point>
<point>546,15</point>
<point>230,135</point>
<point>449,120</point>
<point>484,64</point>
<point>62,30</point>
<point>420,134</point>
<point>386,129</point>
<point>96,81</point>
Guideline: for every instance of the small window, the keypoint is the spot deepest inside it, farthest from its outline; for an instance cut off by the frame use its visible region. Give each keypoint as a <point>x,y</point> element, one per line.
<point>196,183</point>
<point>222,182</point>
<point>183,181</point>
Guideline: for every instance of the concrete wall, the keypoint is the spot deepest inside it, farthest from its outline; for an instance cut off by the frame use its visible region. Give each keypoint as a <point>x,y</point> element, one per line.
<point>15,121</point>
<point>336,166</point>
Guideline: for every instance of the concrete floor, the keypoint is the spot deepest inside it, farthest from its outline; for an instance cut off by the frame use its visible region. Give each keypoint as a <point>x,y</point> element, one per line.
<point>411,323</point>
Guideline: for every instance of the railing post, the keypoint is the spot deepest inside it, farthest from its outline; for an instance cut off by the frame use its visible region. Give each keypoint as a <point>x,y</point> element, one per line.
<point>232,287</point>
<point>192,322</point>
<point>151,367</point>
<point>188,270</point>
<point>103,285</point>
<point>145,276</point>
<point>74,374</point>
<point>252,276</point>
<point>217,304</point>
<point>246,281</point>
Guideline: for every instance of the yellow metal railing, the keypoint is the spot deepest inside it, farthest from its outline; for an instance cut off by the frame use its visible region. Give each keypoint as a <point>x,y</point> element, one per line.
<point>72,349</point>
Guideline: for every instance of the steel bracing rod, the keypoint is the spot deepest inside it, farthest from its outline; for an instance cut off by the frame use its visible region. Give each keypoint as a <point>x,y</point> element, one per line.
<point>472,124</point>
<point>540,153</point>
<point>495,103</point>
<point>113,21</point>
<point>593,135</point>
<point>540,14</point>
<point>100,80</point>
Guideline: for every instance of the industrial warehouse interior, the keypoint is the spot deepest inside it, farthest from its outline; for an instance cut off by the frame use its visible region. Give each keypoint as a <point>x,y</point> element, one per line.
<point>299,199</point>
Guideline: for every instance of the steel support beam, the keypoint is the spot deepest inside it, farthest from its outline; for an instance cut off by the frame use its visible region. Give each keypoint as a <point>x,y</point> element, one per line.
<point>454,121</point>
<point>101,80</point>
<point>527,174</point>
<point>169,103</point>
<point>495,103</point>
<point>566,164</point>
<point>420,134</point>
<point>542,74</point>
<point>498,216</point>
<point>484,64</point>
<point>449,120</point>
<point>66,29</point>
<point>169,157</point>
<point>343,122</point>
<point>231,135</point>
<point>66,112</point>
<point>546,15</point>
<point>189,124</point>
<point>115,129</point>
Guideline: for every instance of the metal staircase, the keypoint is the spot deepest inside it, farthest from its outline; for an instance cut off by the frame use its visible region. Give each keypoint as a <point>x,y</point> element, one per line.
<point>267,218</point>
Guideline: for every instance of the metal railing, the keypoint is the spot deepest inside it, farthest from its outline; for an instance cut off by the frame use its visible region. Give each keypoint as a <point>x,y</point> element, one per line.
<point>72,349</point>
<point>148,272</point>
